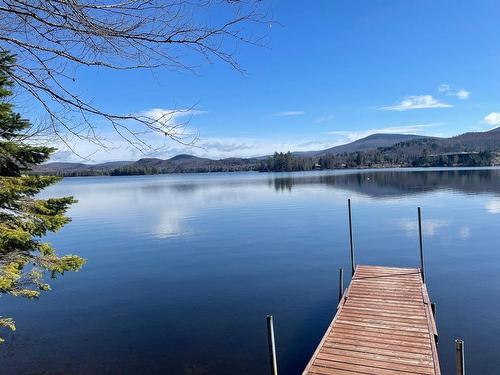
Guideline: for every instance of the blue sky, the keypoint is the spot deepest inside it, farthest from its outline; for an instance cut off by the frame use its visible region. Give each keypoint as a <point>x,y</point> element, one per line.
<point>333,71</point>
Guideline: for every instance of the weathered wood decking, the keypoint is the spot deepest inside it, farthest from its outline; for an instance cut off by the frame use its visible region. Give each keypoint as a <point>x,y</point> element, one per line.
<point>384,325</point>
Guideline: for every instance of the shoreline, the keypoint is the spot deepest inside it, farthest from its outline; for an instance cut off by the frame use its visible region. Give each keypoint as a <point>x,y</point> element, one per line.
<point>319,171</point>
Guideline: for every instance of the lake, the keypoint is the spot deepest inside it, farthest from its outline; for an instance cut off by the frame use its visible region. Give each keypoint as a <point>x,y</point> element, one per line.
<point>183,269</point>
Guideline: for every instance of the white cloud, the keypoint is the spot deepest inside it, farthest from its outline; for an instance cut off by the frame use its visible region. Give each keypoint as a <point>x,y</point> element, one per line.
<point>113,147</point>
<point>461,94</point>
<point>316,145</point>
<point>492,119</point>
<point>210,147</point>
<point>289,113</point>
<point>169,117</point>
<point>444,87</point>
<point>417,102</point>
<point>253,147</point>
<point>353,135</point>
<point>217,147</point>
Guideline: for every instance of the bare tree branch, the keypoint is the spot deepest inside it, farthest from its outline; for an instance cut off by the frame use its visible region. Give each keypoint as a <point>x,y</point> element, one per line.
<point>51,38</point>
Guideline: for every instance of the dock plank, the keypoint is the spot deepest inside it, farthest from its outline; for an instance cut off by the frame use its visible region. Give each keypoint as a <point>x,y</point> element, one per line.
<point>384,325</point>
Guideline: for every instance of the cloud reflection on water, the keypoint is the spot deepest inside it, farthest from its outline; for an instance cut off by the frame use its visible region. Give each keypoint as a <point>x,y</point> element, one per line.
<point>493,206</point>
<point>429,226</point>
<point>161,205</point>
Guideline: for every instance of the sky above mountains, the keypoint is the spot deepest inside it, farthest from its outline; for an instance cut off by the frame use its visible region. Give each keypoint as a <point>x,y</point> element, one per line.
<point>332,72</point>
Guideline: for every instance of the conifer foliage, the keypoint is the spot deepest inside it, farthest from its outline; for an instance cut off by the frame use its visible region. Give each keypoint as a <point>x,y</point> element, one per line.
<point>25,259</point>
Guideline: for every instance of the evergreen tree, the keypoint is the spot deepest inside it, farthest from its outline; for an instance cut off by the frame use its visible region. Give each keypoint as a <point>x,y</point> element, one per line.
<point>24,220</point>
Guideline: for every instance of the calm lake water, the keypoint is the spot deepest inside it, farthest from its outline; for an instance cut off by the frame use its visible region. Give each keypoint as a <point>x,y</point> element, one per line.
<point>183,269</point>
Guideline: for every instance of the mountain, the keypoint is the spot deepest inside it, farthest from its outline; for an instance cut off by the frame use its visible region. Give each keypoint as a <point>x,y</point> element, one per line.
<point>464,143</point>
<point>178,164</point>
<point>63,168</point>
<point>186,158</point>
<point>466,150</point>
<point>114,164</point>
<point>374,151</point>
<point>186,162</point>
<point>372,142</point>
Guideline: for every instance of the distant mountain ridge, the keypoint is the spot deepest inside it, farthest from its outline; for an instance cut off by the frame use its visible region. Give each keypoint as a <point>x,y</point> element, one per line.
<point>388,147</point>
<point>73,166</point>
<point>467,142</point>
<point>178,164</point>
<point>371,142</point>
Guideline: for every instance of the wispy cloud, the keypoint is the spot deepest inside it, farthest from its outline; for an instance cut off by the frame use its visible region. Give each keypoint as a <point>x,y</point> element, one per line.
<point>444,87</point>
<point>288,113</point>
<point>323,119</point>
<point>252,147</point>
<point>417,102</point>
<point>493,119</point>
<point>460,94</point>
<point>353,135</point>
<point>210,147</point>
<point>169,117</point>
<point>314,145</point>
<point>224,146</point>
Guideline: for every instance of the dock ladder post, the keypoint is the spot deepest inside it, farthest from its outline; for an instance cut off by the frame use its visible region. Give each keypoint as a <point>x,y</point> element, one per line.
<point>272,345</point>
<point>353,262</point>
<point>460,357</point>
<point>421,244</point>
<point>341,283</point>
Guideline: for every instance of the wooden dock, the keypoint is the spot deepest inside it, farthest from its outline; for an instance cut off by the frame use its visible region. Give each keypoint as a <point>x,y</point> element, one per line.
<point>384,325</point>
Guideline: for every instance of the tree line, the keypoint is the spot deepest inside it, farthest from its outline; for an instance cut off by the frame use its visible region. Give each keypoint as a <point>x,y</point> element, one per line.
<point>286,162</point>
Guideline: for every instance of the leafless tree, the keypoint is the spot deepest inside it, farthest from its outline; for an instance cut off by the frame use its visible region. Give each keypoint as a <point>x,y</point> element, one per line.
<point>53,38</point>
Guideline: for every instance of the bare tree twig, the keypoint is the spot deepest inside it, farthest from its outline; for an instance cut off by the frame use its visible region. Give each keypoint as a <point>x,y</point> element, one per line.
<point>51,38</point>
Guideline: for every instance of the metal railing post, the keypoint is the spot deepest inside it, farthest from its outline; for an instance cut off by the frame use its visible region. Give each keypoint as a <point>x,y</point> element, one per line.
<point>460,357</point>
<point>434,312</point>
<point>272,345</point>
<point>341,283</point>
<point>422,271</point>
<point>353,262</point>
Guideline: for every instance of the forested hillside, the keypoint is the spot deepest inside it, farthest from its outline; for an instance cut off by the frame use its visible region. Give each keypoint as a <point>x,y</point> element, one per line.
<point>469,149</point>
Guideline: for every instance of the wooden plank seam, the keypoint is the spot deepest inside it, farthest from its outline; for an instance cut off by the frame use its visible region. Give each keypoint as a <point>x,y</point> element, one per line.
<point>383,325</point>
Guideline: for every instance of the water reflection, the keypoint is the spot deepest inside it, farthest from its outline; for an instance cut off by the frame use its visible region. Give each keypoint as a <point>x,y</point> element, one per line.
<point>171,223</point>
<point>214,253</point>
<point>429,226</point>
<point>383,183</point>
<point>286,183</point>
<point>493,206</point>
<point>162,205</point>
<point>464,232</point>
